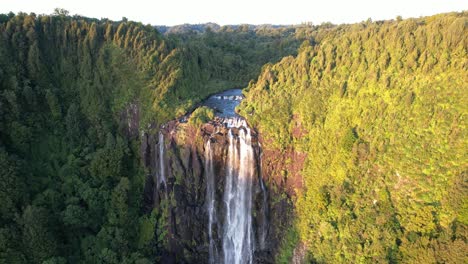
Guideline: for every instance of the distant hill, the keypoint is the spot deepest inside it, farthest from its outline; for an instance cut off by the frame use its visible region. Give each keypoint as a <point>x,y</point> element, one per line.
<point>201,28</point>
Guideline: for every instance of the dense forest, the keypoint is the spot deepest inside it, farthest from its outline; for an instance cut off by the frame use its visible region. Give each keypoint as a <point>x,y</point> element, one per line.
<point>377,108</point>
<point>71,177</point>
<point>71,182</point>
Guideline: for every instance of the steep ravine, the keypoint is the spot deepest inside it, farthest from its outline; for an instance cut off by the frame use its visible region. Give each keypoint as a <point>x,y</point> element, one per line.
<point>218,204</point>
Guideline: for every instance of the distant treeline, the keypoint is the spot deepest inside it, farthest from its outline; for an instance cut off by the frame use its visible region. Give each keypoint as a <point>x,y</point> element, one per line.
<point>202,28</point>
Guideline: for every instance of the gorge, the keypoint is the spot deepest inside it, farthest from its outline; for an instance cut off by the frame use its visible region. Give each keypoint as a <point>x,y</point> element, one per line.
<point>120,143</point>
<point>234,205</point>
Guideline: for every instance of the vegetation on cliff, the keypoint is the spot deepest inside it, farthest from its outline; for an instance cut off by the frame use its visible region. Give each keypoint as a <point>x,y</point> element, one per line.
<point>201,115</point>
<point>380,111</point>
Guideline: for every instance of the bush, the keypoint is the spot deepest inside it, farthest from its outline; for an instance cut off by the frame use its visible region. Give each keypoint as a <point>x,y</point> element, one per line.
<point>349,139</point>
<point>201,115</point>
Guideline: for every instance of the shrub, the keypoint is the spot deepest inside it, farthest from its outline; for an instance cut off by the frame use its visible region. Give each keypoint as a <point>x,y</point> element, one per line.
<point>201,115</point>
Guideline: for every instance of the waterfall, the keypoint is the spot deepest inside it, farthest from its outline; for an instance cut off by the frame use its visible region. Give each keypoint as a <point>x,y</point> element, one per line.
<point>230,221</point>
<point>162,177</point>
<point>264,224</point>
<point>210,200</point>
<point>237,236</point>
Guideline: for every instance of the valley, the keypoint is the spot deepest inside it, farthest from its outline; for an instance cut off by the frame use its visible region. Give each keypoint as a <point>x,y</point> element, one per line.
<point>128,143</point>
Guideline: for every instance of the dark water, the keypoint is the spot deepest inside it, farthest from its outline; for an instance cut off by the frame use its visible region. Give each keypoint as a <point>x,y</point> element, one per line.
<point>225,103</point>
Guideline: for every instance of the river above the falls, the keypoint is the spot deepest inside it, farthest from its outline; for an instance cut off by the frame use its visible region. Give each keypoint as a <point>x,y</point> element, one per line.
<point>224,103</point>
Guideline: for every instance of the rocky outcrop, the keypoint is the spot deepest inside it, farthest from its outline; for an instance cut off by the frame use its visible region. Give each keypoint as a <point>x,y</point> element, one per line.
<point>183,195</point>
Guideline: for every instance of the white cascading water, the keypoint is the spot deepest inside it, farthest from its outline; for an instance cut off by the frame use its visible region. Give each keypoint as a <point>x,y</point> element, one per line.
<point>240,168</point>
<point>162,177</point>
<point>210,200</point>
<point>233,221</point>
<point>264,224</point>
<point>233,122</point>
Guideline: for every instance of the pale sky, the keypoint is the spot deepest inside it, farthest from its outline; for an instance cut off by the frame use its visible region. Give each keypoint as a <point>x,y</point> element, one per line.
<point>223,12</point>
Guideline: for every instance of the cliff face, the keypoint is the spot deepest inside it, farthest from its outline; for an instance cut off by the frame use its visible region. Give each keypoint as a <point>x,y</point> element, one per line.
<point>177,184</point>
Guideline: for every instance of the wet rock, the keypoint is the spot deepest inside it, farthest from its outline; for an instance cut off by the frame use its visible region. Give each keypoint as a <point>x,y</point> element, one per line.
<point>185,193</point>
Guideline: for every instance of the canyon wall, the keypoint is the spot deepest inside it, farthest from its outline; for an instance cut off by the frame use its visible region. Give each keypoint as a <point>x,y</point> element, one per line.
<point>195,176</point>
